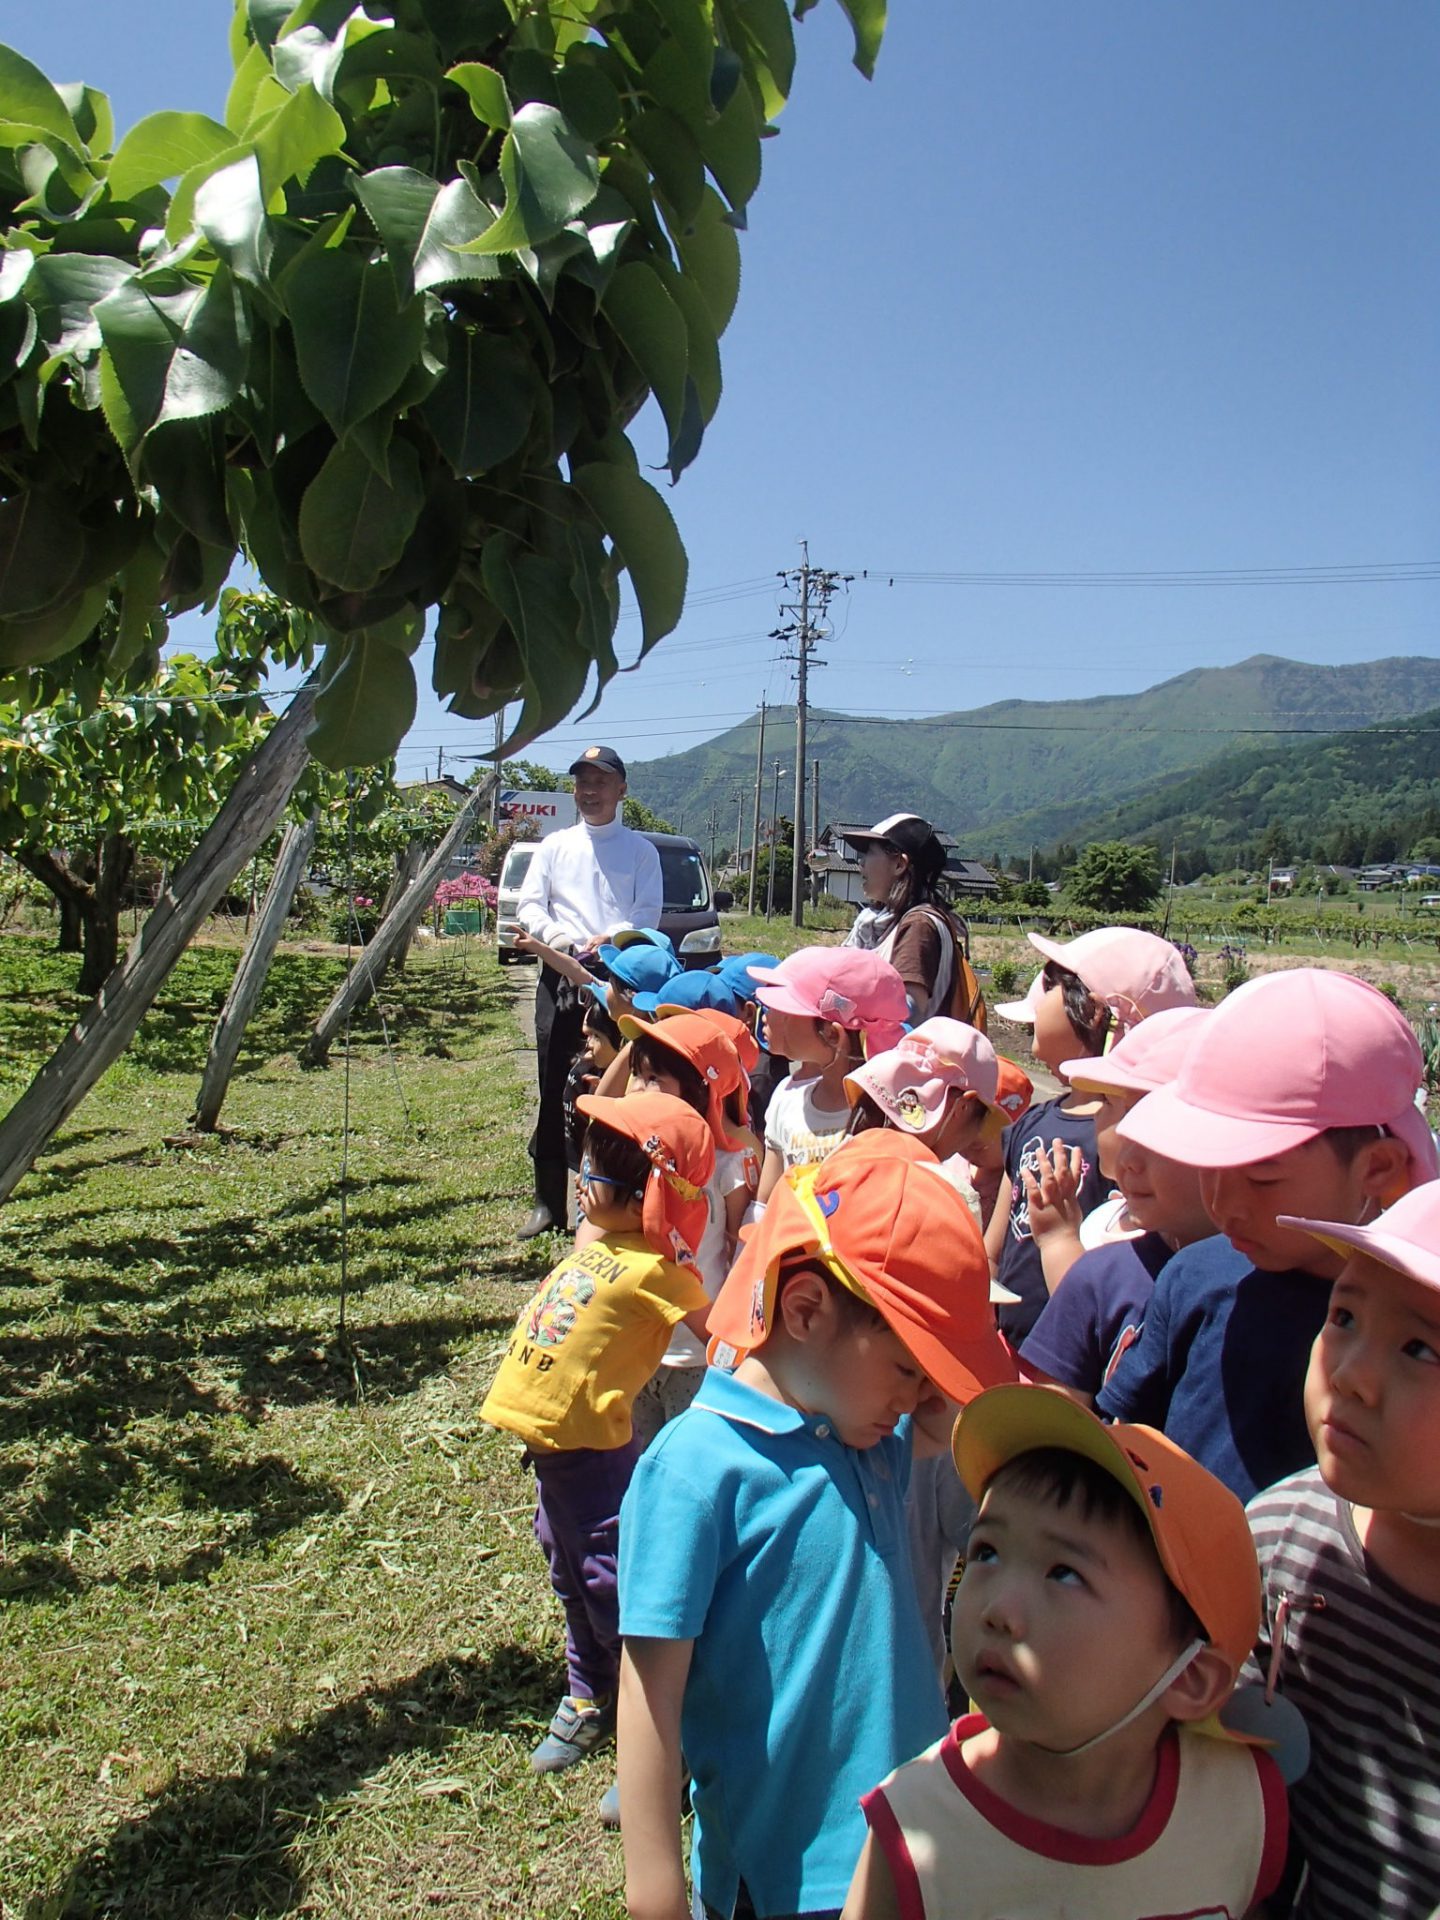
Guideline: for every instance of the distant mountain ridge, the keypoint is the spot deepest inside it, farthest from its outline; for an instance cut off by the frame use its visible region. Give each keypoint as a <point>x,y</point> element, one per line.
<point>1020,771</point>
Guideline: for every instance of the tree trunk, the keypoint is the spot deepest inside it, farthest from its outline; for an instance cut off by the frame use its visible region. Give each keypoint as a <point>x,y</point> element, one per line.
<point>407,865</point>
<point>72,894</point>
<point>250,975</point>
<point>101,1034</point>
<point>394,929</point>
<point>101,913</point>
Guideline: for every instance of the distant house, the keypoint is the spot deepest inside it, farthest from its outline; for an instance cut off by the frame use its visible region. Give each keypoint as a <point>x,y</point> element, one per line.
<point>838,872</point>
<point>1422,873</point>
<point>446,784</point>
<point>1282,877</point>
<point>1386,873</point>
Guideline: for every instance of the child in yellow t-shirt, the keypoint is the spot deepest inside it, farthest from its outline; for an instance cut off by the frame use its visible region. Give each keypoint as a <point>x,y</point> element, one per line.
<point>582,1349</point>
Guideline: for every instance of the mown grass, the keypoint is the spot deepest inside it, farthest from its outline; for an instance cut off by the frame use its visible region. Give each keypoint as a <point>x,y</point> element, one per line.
<point>276,1637</point>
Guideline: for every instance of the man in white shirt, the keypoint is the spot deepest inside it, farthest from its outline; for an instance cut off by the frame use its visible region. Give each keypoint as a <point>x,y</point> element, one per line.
<point>584,885</point>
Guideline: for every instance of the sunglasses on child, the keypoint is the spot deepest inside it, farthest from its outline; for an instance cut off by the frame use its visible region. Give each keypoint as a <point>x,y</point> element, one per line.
<point>587,1177</point>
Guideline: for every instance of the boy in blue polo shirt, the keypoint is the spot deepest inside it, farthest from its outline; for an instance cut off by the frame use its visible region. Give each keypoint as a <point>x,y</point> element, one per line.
<point>768,1612</point>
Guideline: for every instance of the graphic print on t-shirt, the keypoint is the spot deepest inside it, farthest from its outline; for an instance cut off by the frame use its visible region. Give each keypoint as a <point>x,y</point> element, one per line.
<point>1035,1150</point>
<point>555,1309</point>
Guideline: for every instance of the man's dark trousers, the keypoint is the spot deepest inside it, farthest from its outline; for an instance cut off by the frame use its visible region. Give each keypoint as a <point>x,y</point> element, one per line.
<point>559,1019</point>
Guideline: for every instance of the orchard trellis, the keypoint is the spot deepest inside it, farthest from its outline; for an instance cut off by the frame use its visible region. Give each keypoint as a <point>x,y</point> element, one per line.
<point>382,332</point>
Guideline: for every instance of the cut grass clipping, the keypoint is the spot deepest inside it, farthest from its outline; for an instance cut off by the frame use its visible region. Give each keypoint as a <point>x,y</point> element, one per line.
<point>277,1637</point>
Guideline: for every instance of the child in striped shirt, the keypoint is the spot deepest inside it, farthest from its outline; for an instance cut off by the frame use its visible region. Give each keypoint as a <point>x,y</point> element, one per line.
<point>1350,1555</point>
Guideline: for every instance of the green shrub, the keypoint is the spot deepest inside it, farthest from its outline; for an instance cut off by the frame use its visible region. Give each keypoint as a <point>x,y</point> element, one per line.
<point>1005,976</point>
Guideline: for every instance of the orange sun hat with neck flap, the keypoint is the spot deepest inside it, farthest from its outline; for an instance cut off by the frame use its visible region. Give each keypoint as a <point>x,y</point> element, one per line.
<point>676,1140</point>
<point>709,1050</point>
<point>876,1219</point>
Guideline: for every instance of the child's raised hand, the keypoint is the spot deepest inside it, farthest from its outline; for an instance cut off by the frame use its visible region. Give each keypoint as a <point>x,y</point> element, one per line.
<point>1052,1190</point>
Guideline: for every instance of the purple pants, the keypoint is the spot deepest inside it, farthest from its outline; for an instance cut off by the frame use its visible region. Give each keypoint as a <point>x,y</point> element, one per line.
<point>577,1522</point>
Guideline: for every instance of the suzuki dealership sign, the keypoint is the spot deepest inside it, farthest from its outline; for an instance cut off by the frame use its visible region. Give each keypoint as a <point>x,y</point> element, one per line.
<point>546,812</point>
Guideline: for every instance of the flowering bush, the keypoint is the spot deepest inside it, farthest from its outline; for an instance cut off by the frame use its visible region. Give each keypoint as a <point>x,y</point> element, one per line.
<point>465,890</point>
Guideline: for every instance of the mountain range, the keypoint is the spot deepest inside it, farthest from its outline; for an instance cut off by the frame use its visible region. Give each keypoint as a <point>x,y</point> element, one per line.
<point>1020,772</point>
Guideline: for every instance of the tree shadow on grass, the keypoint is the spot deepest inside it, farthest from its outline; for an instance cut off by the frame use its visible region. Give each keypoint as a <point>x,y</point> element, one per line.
<point>72,1408</point>
<point>230,1847</point>
<point>246,1501</point>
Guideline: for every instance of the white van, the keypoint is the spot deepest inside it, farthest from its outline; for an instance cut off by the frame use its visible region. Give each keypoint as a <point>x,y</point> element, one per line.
<point>512,878</point>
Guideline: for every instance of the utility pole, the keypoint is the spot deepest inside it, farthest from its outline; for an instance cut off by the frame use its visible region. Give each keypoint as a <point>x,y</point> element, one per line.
<point>774,843</point>
<point>739,833</point>
<point>755,824</point>
<point>815,586</point>
<point>814,811</point>
<point>495,790</point>
<point>713,825</point>
<point>439,762</point>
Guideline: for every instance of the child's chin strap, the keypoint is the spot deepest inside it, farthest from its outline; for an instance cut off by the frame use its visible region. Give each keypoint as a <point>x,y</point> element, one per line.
<point>1171,1674</point>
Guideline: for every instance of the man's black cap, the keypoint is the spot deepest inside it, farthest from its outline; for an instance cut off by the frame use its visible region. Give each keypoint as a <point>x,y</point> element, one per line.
<point>600,757</point>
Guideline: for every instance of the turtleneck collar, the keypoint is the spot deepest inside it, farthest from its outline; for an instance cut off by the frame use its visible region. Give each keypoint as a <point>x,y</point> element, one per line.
<point>608,831</point>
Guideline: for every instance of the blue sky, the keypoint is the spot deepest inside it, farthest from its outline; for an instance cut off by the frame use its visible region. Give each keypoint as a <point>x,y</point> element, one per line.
<point>1121,289</point>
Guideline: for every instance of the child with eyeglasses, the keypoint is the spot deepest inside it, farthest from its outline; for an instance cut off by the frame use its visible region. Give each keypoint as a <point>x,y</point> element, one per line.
<point>582,1349</point>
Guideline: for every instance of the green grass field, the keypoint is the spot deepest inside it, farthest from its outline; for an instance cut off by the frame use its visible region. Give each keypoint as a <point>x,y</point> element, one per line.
<point>277,1638</point>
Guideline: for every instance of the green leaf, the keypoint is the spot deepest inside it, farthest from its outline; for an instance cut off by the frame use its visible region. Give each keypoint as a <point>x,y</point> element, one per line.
<point>588,100</point>
<point>443,256</point>
<point>710,255</point>
<point>57,631</point>
<point>867,21</point>
<point>303,132</point>
<point>139,598</point>
<point>66,288</point>
<point>353,523</point>
<point>230,212</point>
<point>549,173</point>
<point>28,99</point>
<point>646,542</point>
<point>480,413</point>
<point>485,90</point>
<point>672,155</point>
<point>366,704</point>
<point>652,329</point>
<point>176,355</point>
<point>534,594</point>
<point>184,460</point>
<point>90,110</point>
<point>254,93</point>
<point>703,349</point>
<point>422,225</point>
<point>762,28</point>
<point>39,553</point>
<point>162,147</point>
<point>731,146</point>
<point>353,347</point>
<point>266,18</point>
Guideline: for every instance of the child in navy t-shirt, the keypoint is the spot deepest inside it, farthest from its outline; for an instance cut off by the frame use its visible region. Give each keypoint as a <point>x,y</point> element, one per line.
<point>1090,990</point>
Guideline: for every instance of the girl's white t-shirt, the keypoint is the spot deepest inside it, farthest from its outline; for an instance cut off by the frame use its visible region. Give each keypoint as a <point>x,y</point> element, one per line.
<point>799,1130</point>
<point>733,1170</point>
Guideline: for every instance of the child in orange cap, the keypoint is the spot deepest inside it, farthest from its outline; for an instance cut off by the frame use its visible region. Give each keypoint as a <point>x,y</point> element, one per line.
<point>693,1058</point>
<point>767,1604</point>
<point>582,1349</point>
<point>1110,1597</point>
<point>1350,1558</point>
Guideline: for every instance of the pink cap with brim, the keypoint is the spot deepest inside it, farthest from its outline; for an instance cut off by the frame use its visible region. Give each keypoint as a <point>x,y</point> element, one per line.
<point>851,986</point>
<point>1148,1056</point>
<point>1285,1058</point>
<point>1133,973</point>
<point>1405,1237</point>
<point>912,1082</point>
<point>1022,1012</point>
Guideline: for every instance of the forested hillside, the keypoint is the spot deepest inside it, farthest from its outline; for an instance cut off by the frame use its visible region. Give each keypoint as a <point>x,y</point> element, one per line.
<point>1027,771</point>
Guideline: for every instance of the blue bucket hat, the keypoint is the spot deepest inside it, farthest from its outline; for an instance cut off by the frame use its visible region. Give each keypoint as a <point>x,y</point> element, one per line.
<point>639,968</point>
<point>735,972</point>
<point>692,991</point>
<point>643,937</point>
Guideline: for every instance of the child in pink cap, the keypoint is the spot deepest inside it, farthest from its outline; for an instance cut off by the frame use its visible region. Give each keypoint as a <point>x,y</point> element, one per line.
<point>1298,1097</point>
<point>1096,1316</point>
<point>1350,1560</point>
<point>825,1008</point>
<point>1091,990</point>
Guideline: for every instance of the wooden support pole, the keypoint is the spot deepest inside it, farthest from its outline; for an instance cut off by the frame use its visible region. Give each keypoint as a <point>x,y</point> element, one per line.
<point>394,930</point>
<point>251,974</point>
<point>251,813</point>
